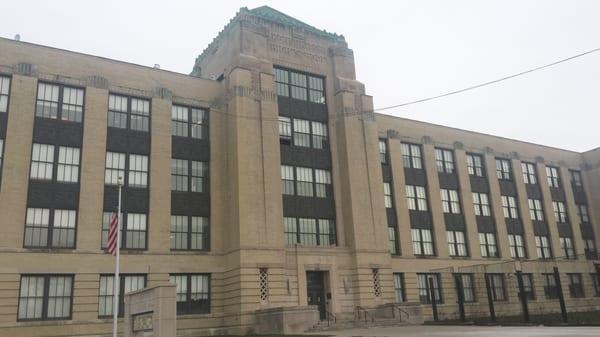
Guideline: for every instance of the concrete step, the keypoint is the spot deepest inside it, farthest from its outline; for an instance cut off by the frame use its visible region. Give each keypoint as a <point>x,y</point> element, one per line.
<point>354,324</point>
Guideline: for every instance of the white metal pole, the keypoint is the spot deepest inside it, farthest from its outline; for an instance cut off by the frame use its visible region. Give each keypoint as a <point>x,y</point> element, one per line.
<point>116,279</point>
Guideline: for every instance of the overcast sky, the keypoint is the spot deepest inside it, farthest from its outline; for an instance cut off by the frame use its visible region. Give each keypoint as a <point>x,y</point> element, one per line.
<point>405,50</point>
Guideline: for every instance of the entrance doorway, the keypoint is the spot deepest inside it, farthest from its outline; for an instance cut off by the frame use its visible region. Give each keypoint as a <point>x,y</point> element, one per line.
<point>315,290</point>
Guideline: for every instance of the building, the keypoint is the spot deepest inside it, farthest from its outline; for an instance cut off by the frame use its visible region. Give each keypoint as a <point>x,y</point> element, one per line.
<point>262,180</point>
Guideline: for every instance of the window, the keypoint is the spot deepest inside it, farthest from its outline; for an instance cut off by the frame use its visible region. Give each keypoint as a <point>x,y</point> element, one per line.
<point>306,184</point>
<point>416,196</point>
<point>59,102</point>
<point>319,135</point>
<point>596,284</point>
<point>4,89</point>
<point>536,212</point>
<point>133,230</point>
<point>127,284</point>
<point>528,286</point>
<point>263,284</point>
<point>517,248</point>
<point>422,241</point>
<point>322,180</point>
<point>444,161</point>
<point>423,287</point>
<point>399,287</point>
<point>552,175</point>
<point>287,180</point>
<point>496,283</point>
<point>411,156</point>
<point>137,172</point>
<point>193,293</point>
<point>45,228</point>
<point>42,162</point>
<point>189,122</point>
<point>376,282</point>
<point>309,232</point>
<point>189,233</point>
<point>542,246</point>
<point>529,175</point>
<point>304,181</point>
<point>481,204</point>
<point>189,175</point>
<point>456,243</point>
<point>576,179</point>
<point>45,297</point>
<point>560,214</point>
<point>487,244</point>
<point>509,207</point>
<point>566,245</point>
<point>475,165</point>
<point>393,240</point>
<point>575,286</point>
<point>300,132</point>
<point>590,249</point>
<point>128,113</point>
<point>387,195</point>
<point>468,288</point>
<point>503,171</point>
<point>582,213</point>
<point>383,151</point>
<point>285,130</point>
<point>299,86</point>
<point>68,165</point>
<point>450,201</point>
<point>1,151</point>
<point>550,288</point>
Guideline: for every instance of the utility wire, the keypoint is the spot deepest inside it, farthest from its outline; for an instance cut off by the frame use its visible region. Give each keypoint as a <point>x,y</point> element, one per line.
<point>487,83</point>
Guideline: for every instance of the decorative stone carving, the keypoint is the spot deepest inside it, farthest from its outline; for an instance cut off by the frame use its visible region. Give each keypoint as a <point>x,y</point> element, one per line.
<point>539,159</point>
<point>488,150</point>
<point>23,68</point>
<point>164,93</point>
<point>393,134</point>
<point>97,81</point>
<point>459,145</point>
<point>426,140</point>
<point>515,155</point>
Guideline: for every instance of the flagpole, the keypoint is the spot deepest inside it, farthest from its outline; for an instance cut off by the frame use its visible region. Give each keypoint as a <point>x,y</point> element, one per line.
<point>116,279</point>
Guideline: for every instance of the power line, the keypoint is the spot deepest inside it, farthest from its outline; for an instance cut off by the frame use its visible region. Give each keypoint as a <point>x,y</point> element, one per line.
<point>487,83</point>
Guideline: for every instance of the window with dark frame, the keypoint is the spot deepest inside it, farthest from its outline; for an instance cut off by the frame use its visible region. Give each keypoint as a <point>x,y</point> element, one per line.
<point>576,179</point>
<point>475,165</point>
<point>189,122</point>
<point>481,204</point>
<point>301,86</point>
<point>133,166</point>
<point>305,181</point>
<point>590,249</point>
<point>496,282</point>
<point>560,212</point>
<point>383,156</point>
<point>309,231</point>
<point>193,293</point>
<point>576,286</point>
<point>509,207</point>
<point>303,133</point>
<point>566,245</point>
<point>387,195</point>
<point>457,246</point>
<point>189,175</point>
<point>393,240</point>
<point>444,160</point>
<point>450,201</point>
<point>528,286</point>
<point>127,284</point>
<point>487,245</point>
<point>60,102</point>
<point>134,230</point>
<point>582,213</point>
<point>422,241</point>
<point>399,287</point>
<point>596,284</point>
<point>411,156</point>
<point>553,176</point>
<point>45,297</point>
<point>4,90</point>
<point>503,169</point>
<point>128,113</point>
<point>468,287</point>
<point>416,197</point>
<point>50,228</point>
<point>423,288</point>
<point>543,247</point>
<point>189,233</point>
<point>550,288</point>
<point>529,173</point>
<point>536,211</point>
<point>44,158</point>
<point>1,155</point>
<point>516,245</point>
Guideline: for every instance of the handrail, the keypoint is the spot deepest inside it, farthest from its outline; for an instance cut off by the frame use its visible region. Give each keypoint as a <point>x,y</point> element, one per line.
<point>330,315</point>
<point>400,311</point>
<point>365,312</point>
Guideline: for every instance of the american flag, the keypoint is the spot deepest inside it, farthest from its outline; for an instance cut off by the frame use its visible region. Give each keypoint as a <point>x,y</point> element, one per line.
<point>111,245</point>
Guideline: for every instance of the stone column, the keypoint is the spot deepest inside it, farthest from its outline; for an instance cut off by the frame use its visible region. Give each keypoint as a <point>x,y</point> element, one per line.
<point>397,167</point>
<point>435,201</point>
<point>466,195</point>
<point>548,208</point>
<point>529,235</point>
<point>496,206</point>
<point>571,209</point>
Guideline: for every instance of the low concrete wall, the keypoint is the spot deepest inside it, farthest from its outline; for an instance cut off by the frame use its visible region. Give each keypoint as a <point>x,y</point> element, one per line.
<point>151,312</point>
<point>286,320</point>
<point>409,312</point>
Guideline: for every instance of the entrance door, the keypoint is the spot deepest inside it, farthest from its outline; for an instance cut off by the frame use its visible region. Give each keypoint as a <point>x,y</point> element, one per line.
<point>315,290</point>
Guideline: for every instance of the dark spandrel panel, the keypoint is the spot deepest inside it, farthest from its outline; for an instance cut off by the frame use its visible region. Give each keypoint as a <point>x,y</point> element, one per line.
<point>420,220</point>
<point>415,177</point>
<point>290,107</point>
<point>558,194</point>
<point>190,148</point>
<point>514,226</point>
<point>52,131</point>
<point>284,105</point>
<point>455,222</point>
<point>479,184</point>
<point>305,157</point>
<point>587,231</point>
<point>540,228</point>
<point>3,120</point>
<point>298,107</point>
<point>507,187</point>
<point>533,191</point>
<point>306,207</point>
<point>134,200</point>
<point>190,203</point>
<point>53,195</point>
<point>123,140</point>
<point>485,224</point>
<point>448,181</point>
<point>391,216</point>
<point>579,195</point>
<point>564,229</point>
<point>386,171</point>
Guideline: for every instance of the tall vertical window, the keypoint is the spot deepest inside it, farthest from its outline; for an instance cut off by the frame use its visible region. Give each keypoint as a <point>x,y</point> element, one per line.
<point>509,207</point>
<point>582,213</point>
<point>304,181</point>
<point>550,288</point>
<point>322,180</point>
<point>528,286</point>
<point>383,151</point>
<point>133,230</point>
<point>422,241</point>
<point>496,282</point>
<point>487,244</point>
<point>393,240</point>
<point>456,243</point>
<point>450,201</point>
<point>4,89</point>
<point>590,249</point>
<point>59,102</point>
<point>127,284</point>
<point>596,284</point>
<point>517,248</point>
<point>309,232</point>
<point>542,247</point>
<point>299,86</point>
<point>566,245</point>
<point>560,213</point>
<point>301,132</point>
<point>576,179</point>
<point>285,130</point>
<point>1,153</point>
<point>387,195</point>
<point>575,286</point>
<point>189,175</point>
<point>45,228</point>
<point>529,175</point>
<point>45,297</point>
<point>189,233</point>
<point>481,204</point>
<point>287,180</point>
<point>189,122</point>
<point>503,171</point>
<point>263,284</point>
<point>115,168</point>
<point>42,162</point>
<point>128,113</point>
<point>423,287</point>
<point>137,169</point>
<point>193,293</point>
<point>552,175</point>
<point>319,135</point>
<point>444,161</point>
<point>399,287</point>
<point>468,287</point>
<point>536,212</point>
<point>411,156</point>
<point>416,197</point>
<point>475,165</point>
<point>68,164</point>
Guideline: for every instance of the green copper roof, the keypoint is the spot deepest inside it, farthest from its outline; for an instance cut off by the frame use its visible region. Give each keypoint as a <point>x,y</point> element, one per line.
<point>271,14</point>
